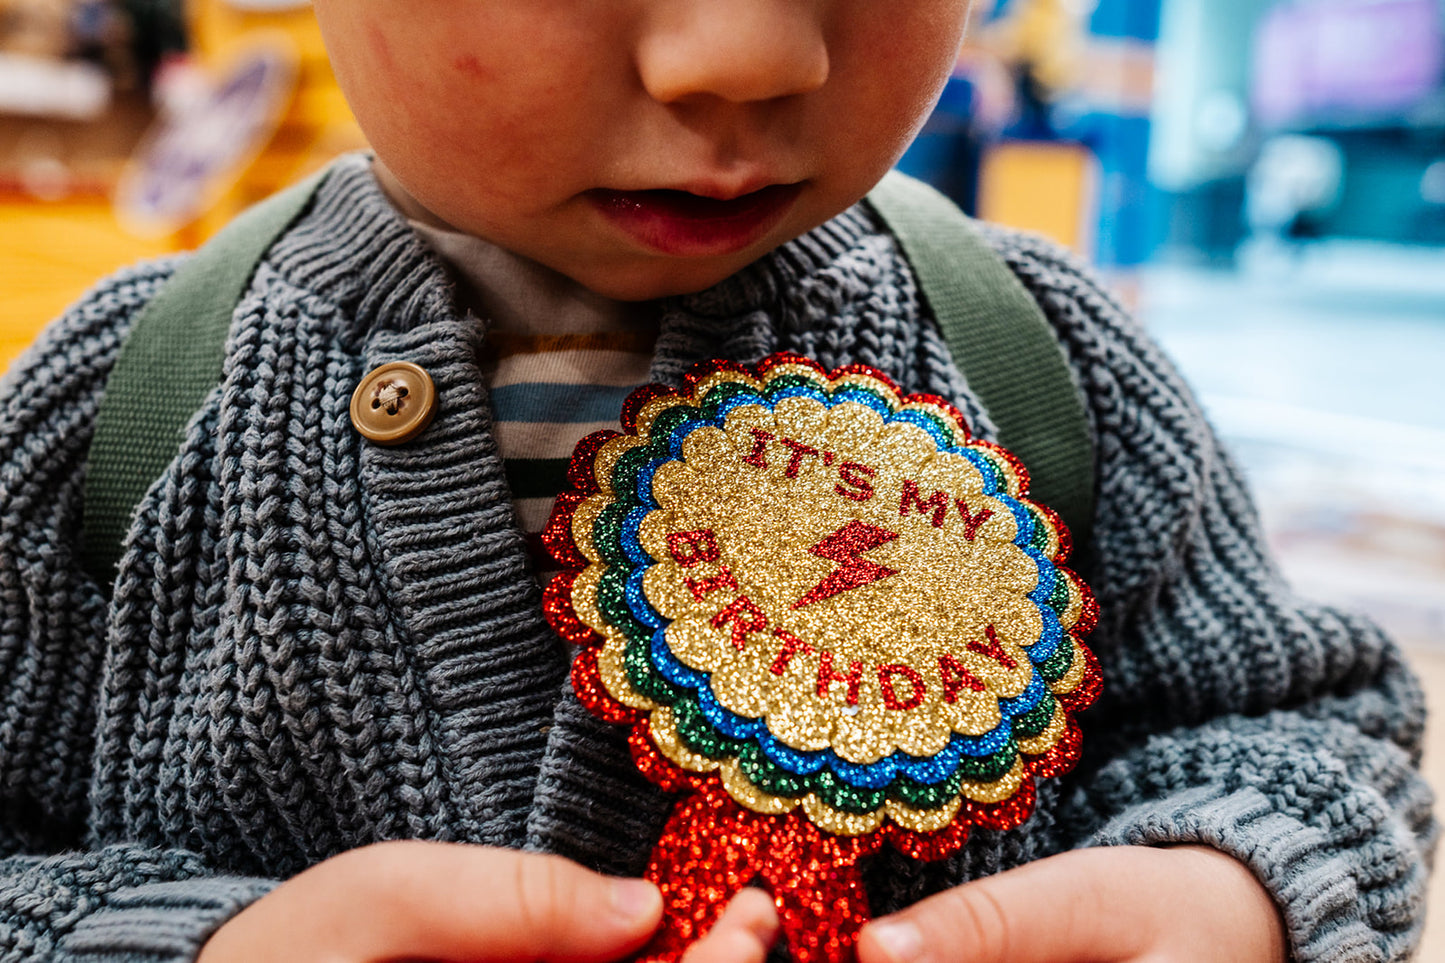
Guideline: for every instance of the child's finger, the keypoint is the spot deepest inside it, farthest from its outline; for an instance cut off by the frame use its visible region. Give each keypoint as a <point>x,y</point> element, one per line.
<point>1057,910</point>
<point>441,901</point>
<point>483,904</point>
<point>1105,905</point>
<point>743,934</point>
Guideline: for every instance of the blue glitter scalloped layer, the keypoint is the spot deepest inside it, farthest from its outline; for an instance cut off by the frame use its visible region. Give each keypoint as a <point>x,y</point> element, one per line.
<point>712,411</point>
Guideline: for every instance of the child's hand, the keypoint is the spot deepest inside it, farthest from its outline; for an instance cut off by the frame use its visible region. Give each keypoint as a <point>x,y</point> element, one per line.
<point>436,901</point>
<point>1107,905</point>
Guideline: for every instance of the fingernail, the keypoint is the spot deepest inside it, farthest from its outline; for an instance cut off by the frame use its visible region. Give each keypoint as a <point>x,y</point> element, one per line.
<point>900,940</point>
<point>635,899</point>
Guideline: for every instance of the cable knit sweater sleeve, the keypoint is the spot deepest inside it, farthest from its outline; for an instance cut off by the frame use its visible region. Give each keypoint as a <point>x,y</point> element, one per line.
<point>59,899</point>
<point>1235,714</point>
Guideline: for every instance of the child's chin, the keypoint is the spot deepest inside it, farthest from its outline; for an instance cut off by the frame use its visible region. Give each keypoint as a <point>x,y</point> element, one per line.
<point>662,281</point>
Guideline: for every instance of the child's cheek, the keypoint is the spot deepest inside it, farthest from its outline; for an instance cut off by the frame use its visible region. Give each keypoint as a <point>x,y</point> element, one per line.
<point>514,121</point>
<point>380,49</point>
<point>490,122</point>
<point>470,66</point>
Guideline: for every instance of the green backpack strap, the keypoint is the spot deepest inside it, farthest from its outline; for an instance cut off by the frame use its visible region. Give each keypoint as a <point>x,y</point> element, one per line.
<point>1001,341</point>
<point>167,366</point>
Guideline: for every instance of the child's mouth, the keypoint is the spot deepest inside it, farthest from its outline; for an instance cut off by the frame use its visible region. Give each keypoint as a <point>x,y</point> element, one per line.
<point>683,224</point>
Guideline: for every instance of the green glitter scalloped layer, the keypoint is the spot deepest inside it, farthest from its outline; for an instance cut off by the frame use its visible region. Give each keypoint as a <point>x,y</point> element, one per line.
<point>696,732</point>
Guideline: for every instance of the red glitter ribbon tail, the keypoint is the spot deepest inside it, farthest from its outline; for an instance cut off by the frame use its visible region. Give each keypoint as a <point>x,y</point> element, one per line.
<point>820,894</point>
<point>712,847</point>
<point>704,857</point>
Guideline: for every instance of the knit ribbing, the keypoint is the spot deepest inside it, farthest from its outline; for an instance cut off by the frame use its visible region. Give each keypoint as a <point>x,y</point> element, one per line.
<point>316,643</point>
<point>126,904</point>
<point>160,922</point>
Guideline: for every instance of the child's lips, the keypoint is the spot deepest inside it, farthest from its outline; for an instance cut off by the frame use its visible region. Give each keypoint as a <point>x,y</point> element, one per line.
<point>683,224</point>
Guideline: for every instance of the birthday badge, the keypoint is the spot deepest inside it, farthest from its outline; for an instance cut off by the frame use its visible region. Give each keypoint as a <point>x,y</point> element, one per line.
<point>830,618</point>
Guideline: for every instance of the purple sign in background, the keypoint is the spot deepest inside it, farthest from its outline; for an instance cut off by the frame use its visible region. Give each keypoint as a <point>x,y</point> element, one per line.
<point>1332,56</point>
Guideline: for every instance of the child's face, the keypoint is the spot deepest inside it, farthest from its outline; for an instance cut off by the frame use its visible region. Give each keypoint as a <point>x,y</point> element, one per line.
<point>640,147</point>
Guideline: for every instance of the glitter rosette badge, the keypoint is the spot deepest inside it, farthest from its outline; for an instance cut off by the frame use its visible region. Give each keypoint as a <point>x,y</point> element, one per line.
<point>831,618</point>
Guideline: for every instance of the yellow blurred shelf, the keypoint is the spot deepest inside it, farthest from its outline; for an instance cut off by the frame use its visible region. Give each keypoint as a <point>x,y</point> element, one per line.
<point>1047,188</point>
<point>51,253</point>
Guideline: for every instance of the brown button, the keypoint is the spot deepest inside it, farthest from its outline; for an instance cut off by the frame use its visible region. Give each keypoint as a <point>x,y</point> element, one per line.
<point>394,403</point>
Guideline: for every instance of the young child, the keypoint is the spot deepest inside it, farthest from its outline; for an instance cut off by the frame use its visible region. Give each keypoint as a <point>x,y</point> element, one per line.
<point>316,644</point>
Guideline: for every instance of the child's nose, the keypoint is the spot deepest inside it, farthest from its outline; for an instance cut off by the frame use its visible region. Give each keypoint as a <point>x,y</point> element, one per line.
<point>738,50</point>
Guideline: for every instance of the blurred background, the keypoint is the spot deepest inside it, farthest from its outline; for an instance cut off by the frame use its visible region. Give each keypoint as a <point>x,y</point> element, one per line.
<point>1262,180</point>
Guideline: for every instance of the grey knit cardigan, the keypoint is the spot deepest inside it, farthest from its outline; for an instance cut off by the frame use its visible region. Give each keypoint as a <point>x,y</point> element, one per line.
<point>315,643</point>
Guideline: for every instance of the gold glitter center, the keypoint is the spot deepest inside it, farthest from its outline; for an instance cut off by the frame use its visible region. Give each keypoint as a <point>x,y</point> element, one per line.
<point>842,579</point>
